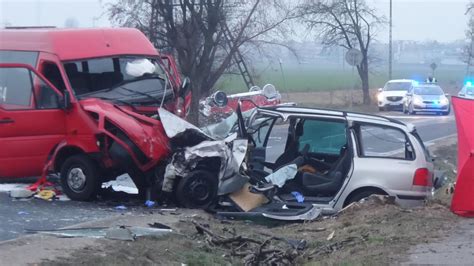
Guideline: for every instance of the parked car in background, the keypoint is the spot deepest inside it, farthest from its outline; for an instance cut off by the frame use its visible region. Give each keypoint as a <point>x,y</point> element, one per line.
<point>78,102</point>
<point>467,91</point>
<point>392,95</point>
<point>427,97</point>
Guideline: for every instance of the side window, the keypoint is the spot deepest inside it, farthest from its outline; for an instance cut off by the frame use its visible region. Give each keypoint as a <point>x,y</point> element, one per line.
<point>52,73</point>
<point>384,142</point>
<point>16,89</point>
<point>46,97</point>
<point>276,140</point>
<point>322,136</point>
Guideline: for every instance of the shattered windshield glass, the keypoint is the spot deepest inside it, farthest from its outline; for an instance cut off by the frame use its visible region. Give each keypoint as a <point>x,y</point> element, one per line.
<point>226,126</point>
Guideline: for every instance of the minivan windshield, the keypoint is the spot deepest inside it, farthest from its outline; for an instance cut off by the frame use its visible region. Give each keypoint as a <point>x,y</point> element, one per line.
<point>129,78</point>
<point>398,86</point>
<point>429,90</point>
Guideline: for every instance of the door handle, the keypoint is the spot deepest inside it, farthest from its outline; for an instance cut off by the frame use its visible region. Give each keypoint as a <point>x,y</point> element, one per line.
<point>6,121</point>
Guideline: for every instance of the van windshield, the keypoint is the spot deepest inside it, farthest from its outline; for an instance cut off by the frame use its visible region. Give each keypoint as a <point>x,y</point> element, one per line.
<point>133,79</point>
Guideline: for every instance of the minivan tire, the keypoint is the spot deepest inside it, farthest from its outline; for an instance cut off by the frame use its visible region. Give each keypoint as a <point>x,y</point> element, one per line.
<point>80,178</point>
<point>198,189</point>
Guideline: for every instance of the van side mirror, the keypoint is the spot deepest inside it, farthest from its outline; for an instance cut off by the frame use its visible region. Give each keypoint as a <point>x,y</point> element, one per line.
<point>66,101</point>
<point>185,87</point>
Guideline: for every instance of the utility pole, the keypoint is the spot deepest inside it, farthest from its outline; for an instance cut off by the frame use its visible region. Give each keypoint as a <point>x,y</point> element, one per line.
<point>390,45</point>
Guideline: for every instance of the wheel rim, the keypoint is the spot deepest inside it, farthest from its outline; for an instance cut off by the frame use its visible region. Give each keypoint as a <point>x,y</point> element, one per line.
<point>200,190</point>
<point>76,179</point>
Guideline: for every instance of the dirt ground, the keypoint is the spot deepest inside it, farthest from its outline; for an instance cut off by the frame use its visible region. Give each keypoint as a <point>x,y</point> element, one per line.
<point>371,232</point>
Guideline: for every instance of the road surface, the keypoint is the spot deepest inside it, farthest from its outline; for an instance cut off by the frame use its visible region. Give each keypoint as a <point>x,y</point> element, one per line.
<point>38,214</point>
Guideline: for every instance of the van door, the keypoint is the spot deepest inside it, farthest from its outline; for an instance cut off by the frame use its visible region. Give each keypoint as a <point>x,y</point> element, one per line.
<point>32,121</point>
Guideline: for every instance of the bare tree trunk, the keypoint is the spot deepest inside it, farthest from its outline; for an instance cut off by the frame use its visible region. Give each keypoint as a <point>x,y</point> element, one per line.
<point>363,70</point>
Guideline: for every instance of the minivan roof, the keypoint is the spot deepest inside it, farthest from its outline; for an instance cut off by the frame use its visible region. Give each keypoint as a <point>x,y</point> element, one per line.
<point>73,44</point>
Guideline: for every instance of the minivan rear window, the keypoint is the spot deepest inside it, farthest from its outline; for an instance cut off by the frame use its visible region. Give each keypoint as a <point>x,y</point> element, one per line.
<point>19,57</point>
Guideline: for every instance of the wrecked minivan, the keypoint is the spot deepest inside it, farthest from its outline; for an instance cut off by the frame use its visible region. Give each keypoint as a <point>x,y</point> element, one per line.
<point>326,158</point>
<point>79,102</point>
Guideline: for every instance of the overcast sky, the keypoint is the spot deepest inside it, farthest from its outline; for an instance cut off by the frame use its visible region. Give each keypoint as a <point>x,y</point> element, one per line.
<point>441,20</point>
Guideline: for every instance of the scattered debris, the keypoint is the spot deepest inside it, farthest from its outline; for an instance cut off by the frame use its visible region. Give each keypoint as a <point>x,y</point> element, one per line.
<point>21,193</point>
<point>159,225</point>
<point>331,236</point>
<point>47,195</point>
<point>118,233</point>
<point>271,251</point>
<point>121,207</point>
<point>150,203</point>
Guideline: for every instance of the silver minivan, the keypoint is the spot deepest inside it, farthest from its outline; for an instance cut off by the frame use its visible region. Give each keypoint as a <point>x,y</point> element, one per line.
<point>348,156</point>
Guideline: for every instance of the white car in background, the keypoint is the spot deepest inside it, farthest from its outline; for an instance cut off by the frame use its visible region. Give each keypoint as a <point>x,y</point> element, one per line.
<point>467,91</point>
<point>392,95</point>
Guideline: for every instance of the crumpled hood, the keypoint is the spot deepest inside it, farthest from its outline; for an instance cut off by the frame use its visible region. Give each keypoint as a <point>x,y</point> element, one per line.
<point>144,132</point>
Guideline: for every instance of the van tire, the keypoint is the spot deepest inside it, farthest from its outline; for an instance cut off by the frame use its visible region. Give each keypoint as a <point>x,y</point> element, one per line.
<point>80,178</point>
<point>356,197</point>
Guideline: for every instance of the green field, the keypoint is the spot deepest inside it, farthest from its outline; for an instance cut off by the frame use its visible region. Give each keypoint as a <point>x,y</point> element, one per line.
<point>307,78</point>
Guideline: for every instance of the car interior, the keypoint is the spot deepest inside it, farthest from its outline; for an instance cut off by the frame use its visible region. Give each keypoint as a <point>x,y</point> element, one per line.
<point>320,150</point>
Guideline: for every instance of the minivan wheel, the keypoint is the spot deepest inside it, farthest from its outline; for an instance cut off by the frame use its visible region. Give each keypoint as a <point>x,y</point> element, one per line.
<point>362,195</point>
<point>197,190</point>
<point>80,178</point>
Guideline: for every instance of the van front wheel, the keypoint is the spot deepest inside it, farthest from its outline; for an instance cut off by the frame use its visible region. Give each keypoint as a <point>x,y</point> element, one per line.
<point>80,178</point>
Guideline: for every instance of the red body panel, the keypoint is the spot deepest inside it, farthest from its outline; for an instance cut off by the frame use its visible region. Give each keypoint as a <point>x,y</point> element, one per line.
<point>147,133</point>
<point>72,44</point>
<point>463,198</point>
<point>259,100</point>
<point>31,144</point>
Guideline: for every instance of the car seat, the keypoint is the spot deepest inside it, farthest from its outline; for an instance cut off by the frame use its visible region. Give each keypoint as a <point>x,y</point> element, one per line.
<point>331,182</point>
<point>293,147</point>
<point>77,79</point>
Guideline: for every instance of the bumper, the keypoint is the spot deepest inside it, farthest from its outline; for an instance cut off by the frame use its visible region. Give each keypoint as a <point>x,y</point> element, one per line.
<point>413,200</point>
<point>430,108</point>
<point>390,104</point>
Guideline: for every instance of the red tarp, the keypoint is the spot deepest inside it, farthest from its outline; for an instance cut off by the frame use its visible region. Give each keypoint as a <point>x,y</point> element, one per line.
<point>463,198</point>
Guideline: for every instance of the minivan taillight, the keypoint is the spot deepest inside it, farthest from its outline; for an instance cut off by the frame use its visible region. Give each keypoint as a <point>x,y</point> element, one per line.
<point>421,177</point>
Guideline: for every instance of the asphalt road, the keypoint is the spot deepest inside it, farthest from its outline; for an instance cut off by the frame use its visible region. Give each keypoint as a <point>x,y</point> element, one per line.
<point>17,216</point>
